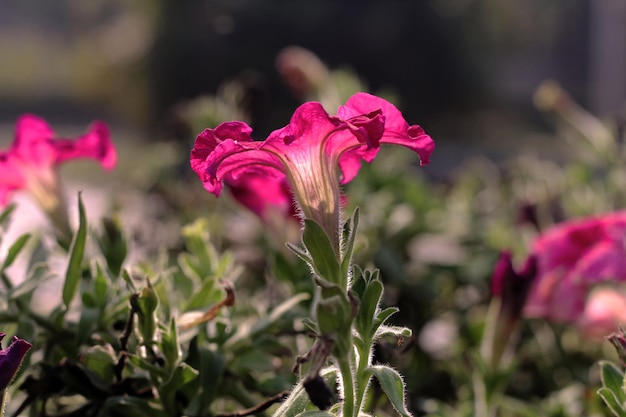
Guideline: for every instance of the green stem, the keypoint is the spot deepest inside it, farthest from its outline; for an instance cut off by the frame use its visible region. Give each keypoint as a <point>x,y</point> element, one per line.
<point>362,380</point>
<point>347,379</point>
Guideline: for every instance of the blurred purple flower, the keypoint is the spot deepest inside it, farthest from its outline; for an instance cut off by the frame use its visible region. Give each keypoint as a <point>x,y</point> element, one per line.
<point>11,358</point>
<point>512,286</point>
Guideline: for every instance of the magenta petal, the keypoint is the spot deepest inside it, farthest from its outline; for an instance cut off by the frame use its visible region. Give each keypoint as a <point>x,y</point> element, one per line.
<point>573,258</point>
<point>10,360</point>
<point>207,142</point>
<point>397,130</point>
<point>11,177</point>
<point>264,195</point>
<point>30,130</point>
<point>604,261</point>
<point>231,160</point>
<point>31,142</point>
<point>95,144</point>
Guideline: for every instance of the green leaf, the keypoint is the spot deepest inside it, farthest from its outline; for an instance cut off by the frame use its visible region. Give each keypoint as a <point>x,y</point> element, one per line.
<point>170,345</point>
<point>174,388</point>
<point>113,245</point>
<point>6,215</point>
<point>15,250</point>
<point>145,304</point>
<point>72,276</point>
<point>101,360</point>
<point>609,399</point>
<point>101,287</point>
<point>86,325</point>
<point>244,334</point>
<point>367,309</point>
<point>397,331</point>
<point>128,406</point>
<point>210,365</point>
<point>129,280</point>
<point>358,282</point>
<point>295,404</point>
<point>302,254</point>
<point>613,378</point>
<point>207,294</point>
<point>321,250</point>
<point>155,371</point>
<point>392,384</point>
<point>278,312</point>
<point>382,317</point>
<point>317,413</point>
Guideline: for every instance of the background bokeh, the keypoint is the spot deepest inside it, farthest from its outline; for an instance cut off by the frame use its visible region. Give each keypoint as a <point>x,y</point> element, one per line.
<point>466,70</point>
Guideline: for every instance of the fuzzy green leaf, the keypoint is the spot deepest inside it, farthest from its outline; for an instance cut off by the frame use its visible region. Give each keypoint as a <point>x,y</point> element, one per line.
<point>609,399</point>
<point>302,254</point>
<point>298,400</point>
<point>613,379</point>
<point>319,246</point>
<point>295,404</point>
<point>368,307</point>
<point>391,382</point>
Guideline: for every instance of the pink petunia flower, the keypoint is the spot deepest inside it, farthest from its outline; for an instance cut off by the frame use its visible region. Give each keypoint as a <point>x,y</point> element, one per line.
<point>572,259</point>
<point>11,358</point>
<point>305,155</point>
<point>31,162</point>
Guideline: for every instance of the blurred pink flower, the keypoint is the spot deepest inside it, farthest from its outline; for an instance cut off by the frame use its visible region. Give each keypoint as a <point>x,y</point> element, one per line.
<point>31,162</point>
<point>11,358</point>
<point>264,197</point>
<point>604,312</point>
<point>305,155</point>
<point>572,258</point>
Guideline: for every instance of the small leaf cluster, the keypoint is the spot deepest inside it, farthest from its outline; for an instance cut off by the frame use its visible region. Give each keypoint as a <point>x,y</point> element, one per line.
<point>159,338</point>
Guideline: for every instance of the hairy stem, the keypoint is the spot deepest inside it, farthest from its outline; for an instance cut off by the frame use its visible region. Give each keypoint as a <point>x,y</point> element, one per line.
<point>347,379</point>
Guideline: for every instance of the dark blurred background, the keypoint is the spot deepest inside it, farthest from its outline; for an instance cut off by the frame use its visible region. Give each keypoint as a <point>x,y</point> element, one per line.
<point>466,70</point>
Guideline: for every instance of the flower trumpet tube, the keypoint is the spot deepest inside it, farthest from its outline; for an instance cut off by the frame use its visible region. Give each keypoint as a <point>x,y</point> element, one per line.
<point>311,156</point>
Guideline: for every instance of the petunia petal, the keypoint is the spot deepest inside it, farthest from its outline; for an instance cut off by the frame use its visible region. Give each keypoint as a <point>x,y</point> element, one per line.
<point>397,130</point>
<point>574,257</point>
<point>95,144</point>
<point>264,194</point>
